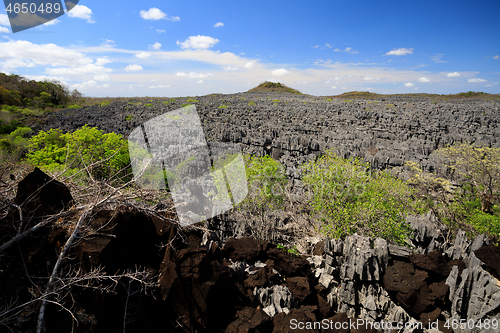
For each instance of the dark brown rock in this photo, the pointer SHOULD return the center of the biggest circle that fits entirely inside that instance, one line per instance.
(490, 255)
(38, 194)
(284, 323)
(288, 264)
(433, 262)
(244, 249)
(299, 286)
(250, 320)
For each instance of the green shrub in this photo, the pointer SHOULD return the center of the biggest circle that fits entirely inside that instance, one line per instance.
(105, 103)
(15, 143)
(251, 103)
(149, 104)
(129, 118)
(56, 151)
(223, 106)
(191, 101)
(349, 198)
(266, 184)
(6, 128)
(74, 106)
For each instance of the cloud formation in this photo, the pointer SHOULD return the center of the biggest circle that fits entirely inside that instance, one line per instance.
(81, 12)
(198, 42)
(409, 84)
(423, 79)
(476, 80)
(280, 72)
(401, 51)
(155, 14)
(454, 74)
(133, 68)
(218, 24)
(155, 46)
(194, 75)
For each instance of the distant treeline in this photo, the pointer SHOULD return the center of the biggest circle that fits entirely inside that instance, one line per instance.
(17, 91)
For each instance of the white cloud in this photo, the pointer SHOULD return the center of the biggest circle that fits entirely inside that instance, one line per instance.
(218, 24)
(337, 78)
(194, 75)
(4, 30)
(155, 46)
(280, 72)
(198, 42)
(400, 51)
(334, 87)
(86, 69)
(328, 45)
(347, 49)
(133, 68)
(496, 57)
(81, 12)
(248, 65)
(103, 77)
(41, 54)
(454, 74)
(370, 78)
(314, 46)
(409, 84)
(52, 22)
(153, 14)
(199, 81)
(85, 85)
(160, 86)
(103, 61)
(475, 80)
(143, 55)
(423, 79)
(61, 79)
(105, 85)
(160, 31)
(4, 20)
(156, 14)
(229, 68)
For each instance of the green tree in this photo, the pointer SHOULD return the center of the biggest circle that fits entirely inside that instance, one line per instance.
(105, 155)
(348, 197)
(477, 166)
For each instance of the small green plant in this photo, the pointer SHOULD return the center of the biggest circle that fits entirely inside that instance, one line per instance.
(149, 104)
(73, 106)
(293, 251)
(389, 106)
(348, 101)
(105, 103)
(251, 103)
(223, 106)
(129, 118)
(191, 101)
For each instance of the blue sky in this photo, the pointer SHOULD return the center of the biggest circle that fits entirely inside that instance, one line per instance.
(189, 48)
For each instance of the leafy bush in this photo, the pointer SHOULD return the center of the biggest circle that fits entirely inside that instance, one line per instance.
(191, 101)
(252, 103)
(73, 106)
(6, 128)
(15, 143)
(105, 154)
(105, 103)
(349, 198)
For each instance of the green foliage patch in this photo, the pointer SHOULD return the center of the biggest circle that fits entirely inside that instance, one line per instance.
(105, 155)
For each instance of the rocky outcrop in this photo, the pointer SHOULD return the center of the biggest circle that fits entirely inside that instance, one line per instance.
(245, 285)
(295, 128)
